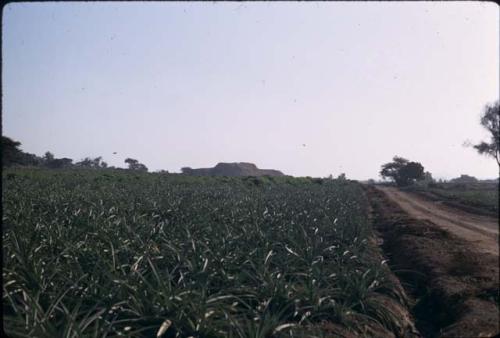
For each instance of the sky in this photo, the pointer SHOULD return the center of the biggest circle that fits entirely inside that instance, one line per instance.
(311, 89)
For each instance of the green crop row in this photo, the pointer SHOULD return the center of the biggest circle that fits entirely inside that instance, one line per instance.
(103, 253)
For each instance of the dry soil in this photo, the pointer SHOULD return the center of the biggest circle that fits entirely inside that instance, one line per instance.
(446, 259)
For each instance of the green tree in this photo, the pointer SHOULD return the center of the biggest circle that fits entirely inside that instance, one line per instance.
(50, 161)
(31, 160)
(58, 163)
(93, 163)
(133, 164)
(402, 171)
(391, 170)
(11, 154)
(490, 120)
(48, 157)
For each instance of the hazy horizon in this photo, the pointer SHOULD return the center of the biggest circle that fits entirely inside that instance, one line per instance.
(310, 89)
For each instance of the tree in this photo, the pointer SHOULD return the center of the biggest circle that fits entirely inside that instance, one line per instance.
(402, 171)
(133, 164)
(391, 170)
(11, 154)
(84, 163)
(48, 157)
(58, 163)
(490, 120)
(50, 161)
(98, 163)
(31, 160)
(93, 163)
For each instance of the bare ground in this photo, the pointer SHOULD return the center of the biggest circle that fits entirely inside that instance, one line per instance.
(446, 259)
(481, 231)
(467, 206)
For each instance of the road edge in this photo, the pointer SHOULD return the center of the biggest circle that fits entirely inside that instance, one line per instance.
(455, 290)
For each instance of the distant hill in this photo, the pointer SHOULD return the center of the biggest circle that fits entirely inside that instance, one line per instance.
(232, 169)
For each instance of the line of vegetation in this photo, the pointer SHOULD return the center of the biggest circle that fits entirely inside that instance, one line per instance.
(14, 156)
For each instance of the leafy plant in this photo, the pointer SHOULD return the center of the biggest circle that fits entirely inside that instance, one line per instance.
(92, 253)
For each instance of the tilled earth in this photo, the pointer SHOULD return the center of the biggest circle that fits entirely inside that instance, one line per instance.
(454, 285)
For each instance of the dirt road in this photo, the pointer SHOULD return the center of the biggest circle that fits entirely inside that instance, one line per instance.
(446, 258)
(482, 231)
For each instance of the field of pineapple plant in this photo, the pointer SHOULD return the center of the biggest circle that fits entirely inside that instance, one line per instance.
(100, 253)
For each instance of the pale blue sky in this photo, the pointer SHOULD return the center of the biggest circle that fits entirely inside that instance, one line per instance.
(193, 84)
